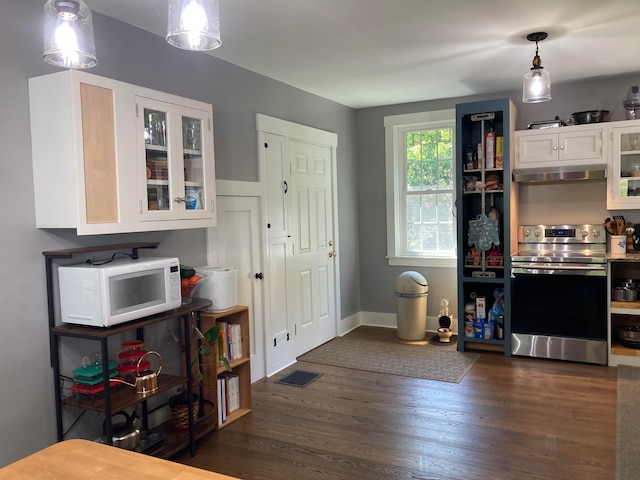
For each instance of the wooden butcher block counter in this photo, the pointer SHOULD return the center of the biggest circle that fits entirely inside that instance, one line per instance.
(83, 459)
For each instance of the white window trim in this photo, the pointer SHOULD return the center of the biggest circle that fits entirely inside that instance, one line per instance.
(392, 125)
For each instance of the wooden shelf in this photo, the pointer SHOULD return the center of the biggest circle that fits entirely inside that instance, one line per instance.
(123, 396)
(83, 331)
(175, 440)
(619, 349)
(67, 253)
(240, 367)
(626, 305)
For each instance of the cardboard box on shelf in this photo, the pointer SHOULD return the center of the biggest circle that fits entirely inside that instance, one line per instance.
(481, 308)
(499, 152)
(490, 154)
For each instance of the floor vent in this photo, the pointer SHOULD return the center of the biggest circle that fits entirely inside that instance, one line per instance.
(299, 378)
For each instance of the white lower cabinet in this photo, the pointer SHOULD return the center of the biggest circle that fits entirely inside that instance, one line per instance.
(111, 157)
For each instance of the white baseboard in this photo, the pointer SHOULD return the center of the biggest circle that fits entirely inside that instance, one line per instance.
(388, 320)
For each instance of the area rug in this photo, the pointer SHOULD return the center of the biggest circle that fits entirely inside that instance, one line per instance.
(628, 424)
(385, 353)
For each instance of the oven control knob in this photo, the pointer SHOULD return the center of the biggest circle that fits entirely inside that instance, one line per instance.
(595, 233)
(527, 232)
(584, 233)
(537, 233)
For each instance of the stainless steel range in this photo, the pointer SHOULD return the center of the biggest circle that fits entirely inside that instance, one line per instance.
(559, 293)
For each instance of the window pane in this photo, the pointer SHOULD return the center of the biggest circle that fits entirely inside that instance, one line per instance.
(414, 176)
(430, 168)
(445, 174)
(429, 223)
(429, 159)
(413, 209)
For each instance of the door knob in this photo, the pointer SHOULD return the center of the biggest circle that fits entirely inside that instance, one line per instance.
(332, 254)
(259, 276)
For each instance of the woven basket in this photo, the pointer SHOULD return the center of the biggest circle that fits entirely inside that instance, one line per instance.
(180, 411)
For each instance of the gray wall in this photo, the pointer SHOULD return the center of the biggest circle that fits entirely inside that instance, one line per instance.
(578, 202)
(131, 55)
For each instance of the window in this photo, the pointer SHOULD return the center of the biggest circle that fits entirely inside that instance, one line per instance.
(420, 150)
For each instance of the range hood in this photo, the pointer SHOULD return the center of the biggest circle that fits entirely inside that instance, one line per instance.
(556, 174)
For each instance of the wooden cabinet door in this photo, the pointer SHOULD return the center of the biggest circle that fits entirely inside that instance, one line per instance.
(99, 154)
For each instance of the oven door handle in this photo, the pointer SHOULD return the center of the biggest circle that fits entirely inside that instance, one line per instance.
(581, 270)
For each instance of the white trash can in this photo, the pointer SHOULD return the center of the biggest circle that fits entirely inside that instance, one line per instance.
(411, 305)
(220, 285)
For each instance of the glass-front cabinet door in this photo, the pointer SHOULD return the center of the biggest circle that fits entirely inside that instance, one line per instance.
(175, 143)
(193, 189)
(157, 139)
(624, 177)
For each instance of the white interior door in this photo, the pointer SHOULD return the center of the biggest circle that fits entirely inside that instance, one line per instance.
(236, 242)
(311, 282)
(297, 170)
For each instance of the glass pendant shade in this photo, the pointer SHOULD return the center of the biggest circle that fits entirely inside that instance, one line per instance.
(194, 24)
(68, 34)
(537, 86)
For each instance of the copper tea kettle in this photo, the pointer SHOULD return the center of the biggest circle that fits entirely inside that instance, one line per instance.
(146, 382)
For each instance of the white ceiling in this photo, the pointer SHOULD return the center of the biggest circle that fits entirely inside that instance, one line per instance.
(364, 53)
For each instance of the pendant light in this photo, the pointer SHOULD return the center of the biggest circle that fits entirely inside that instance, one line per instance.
(537, 82)
(68, 34)
(194, 24)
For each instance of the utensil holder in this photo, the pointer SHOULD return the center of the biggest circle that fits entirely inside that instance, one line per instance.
(618, 244)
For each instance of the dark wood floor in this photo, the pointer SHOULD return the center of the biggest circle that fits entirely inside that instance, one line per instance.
(509, 418)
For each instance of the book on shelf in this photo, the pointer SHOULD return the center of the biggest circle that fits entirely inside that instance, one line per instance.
(236, 343)
(229, 342)
(233, 392)
(221, 397)
(222, 343)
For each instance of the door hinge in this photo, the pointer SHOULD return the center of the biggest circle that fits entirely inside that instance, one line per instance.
(266, 145)
(137, 113)
(209, 123)
(287, 336)
(140, 206)
(275, 341)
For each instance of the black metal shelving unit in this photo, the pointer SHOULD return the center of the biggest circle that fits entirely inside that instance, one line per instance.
(112, 402)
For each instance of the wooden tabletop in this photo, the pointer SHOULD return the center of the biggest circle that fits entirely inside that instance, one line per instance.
(83, 459)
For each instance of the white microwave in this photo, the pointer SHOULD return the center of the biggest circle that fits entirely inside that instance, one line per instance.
(107, 294)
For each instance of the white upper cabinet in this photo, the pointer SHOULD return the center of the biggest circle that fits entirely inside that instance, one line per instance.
(91, 155)
(583, 144)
